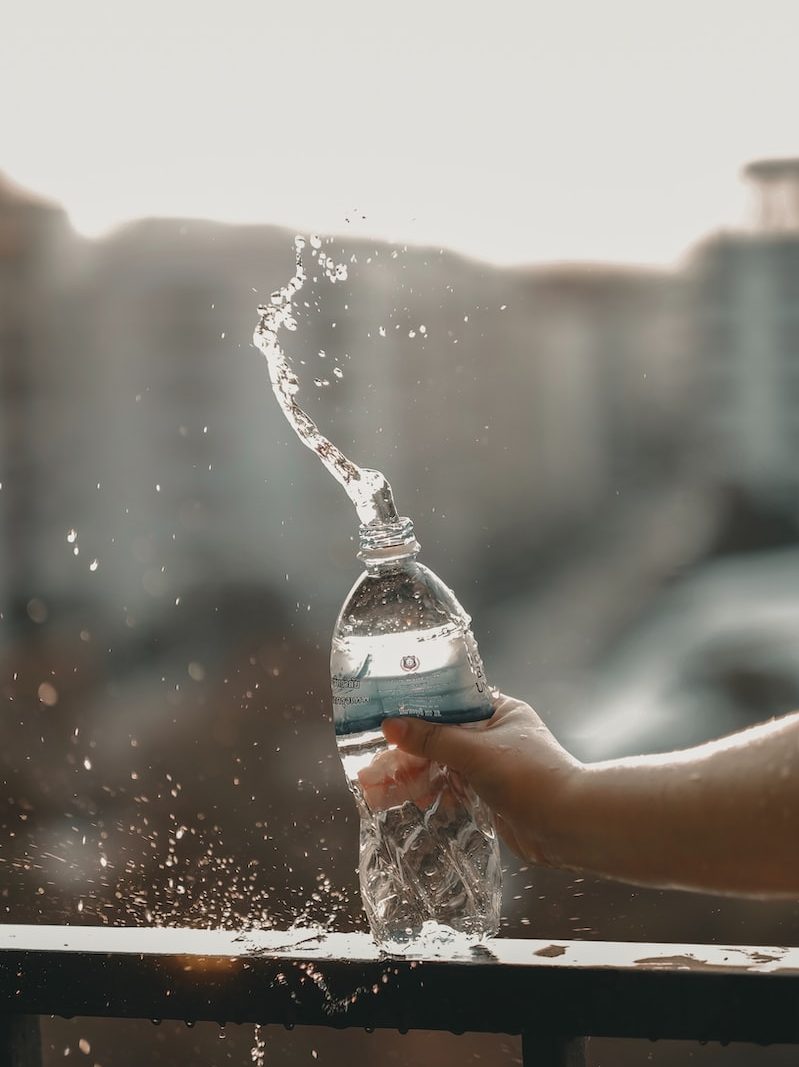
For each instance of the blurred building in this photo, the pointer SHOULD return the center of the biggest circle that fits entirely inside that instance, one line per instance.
(610, 346)
(746, 321)
(35, 255)
(508, 407)
(513, 410)
(168, 309)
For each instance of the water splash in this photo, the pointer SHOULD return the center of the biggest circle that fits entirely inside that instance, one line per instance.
(258, 1050)
(368, 489)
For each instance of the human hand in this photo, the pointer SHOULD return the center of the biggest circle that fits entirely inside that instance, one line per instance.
(714, 818)
(512, 761)
(394, 778)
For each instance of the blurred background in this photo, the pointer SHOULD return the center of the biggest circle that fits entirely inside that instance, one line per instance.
(570, 338)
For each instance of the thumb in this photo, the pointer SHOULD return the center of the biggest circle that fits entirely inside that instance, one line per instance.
(449, 745)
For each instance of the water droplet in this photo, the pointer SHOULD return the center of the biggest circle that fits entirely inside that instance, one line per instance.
(72, 536)
(93, 565)
(196, 671)
(37, 610)
(48, 694)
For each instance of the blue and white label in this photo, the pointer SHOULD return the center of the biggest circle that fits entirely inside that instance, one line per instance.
(456, 692)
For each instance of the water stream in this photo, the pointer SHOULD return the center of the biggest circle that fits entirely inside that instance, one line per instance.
(368, 489)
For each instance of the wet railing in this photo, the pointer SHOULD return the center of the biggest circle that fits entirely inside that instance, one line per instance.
(555, 994)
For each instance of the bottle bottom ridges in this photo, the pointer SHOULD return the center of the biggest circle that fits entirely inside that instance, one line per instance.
(429, 863)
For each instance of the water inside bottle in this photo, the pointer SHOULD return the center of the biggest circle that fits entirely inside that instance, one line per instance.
(429, 865)
(429, 860)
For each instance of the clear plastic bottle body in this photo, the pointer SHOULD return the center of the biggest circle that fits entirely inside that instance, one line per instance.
(429, 857)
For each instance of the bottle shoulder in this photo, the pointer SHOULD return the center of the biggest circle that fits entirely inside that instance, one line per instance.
(408, 596)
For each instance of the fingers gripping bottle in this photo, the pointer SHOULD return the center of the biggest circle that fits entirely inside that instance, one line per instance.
(429, 857)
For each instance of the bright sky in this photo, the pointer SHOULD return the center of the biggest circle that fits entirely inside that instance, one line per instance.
(514, 131)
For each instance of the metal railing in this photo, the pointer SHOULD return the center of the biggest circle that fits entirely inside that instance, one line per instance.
(555, 994)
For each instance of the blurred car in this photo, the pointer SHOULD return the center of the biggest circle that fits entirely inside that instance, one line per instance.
(717, 652)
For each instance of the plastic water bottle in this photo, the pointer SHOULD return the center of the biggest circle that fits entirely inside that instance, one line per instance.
(429, 857)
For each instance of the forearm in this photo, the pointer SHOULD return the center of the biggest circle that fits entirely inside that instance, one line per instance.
(722, 817)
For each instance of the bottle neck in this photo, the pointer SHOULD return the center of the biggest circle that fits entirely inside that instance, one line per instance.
(386, 543)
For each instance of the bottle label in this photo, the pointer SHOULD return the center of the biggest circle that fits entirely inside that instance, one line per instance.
(457, 692)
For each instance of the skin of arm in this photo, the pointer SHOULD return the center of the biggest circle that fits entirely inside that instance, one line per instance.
(722, 817)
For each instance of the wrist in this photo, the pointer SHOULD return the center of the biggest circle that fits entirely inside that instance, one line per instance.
(558, 820)
(603, 823)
